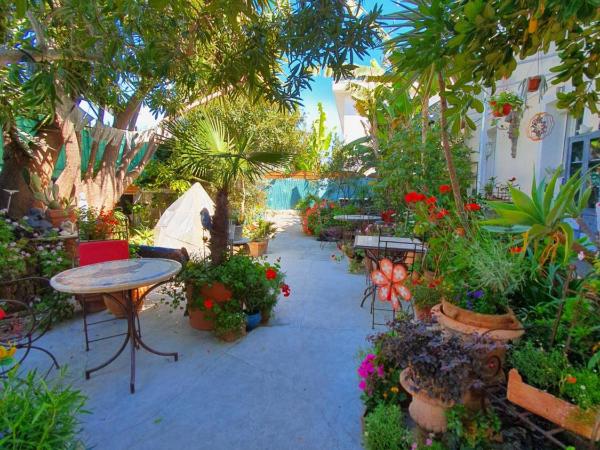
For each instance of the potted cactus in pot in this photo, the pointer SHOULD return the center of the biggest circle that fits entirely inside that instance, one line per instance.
(58, 209)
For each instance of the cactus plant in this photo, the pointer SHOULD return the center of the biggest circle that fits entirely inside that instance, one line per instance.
(48, 196)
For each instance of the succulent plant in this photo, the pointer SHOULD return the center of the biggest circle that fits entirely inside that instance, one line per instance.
(48, 196)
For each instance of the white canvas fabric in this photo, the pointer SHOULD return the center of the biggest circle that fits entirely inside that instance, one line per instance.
(181, 224)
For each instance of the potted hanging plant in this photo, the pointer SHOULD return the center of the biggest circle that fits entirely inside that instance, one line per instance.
(259, 234)
(504, 103)
(426, 294)
(437, 370)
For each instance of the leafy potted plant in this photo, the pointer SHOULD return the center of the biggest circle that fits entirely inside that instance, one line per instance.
(204, 290)
(504, 103)
(230, 321)
(58, 209)
(259, 234)
(438, 370)
(426, 294)
(482, 276)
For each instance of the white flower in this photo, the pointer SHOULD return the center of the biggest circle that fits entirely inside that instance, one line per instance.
(40, 248)
(581, 256)
(25, 217)
(59, 259)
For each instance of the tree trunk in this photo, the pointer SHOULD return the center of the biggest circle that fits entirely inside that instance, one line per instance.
(219, 235)
(448, 152)
(44, 154)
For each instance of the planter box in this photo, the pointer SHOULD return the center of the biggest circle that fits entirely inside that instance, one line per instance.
(556, 410)
(258, 248)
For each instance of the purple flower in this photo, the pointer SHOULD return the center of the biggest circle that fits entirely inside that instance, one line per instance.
(469, 304)
(478, 293)
(380, 371)
(362, 385)
(428, 442)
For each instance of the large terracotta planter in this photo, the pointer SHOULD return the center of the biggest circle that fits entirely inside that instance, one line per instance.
(58, 216)
(258, 248)
(204, 320)
(201, 320)
(116, 307)
(427, 412)
(499, 327)
(558, 411)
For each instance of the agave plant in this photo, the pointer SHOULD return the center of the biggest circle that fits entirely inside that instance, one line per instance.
(541, 216)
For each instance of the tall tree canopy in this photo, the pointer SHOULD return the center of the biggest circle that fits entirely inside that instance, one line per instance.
(114, 56)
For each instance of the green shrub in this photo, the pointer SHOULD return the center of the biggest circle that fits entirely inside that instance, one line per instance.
(38, 415)
(540, 368)
(384, 429)
(582, 387)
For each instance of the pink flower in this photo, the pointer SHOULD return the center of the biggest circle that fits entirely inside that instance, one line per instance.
(380, 371)
(362, 385)
(428, 442)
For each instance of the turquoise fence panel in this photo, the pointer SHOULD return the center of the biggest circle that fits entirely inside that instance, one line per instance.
(284, 193)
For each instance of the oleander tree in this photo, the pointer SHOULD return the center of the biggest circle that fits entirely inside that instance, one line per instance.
(71, 65)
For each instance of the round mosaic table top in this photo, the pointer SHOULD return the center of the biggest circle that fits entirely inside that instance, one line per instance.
(115, 276)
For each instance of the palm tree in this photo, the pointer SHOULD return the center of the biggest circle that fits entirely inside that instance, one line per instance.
(206, 149)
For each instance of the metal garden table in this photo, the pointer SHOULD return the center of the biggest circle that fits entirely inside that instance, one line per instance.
(120, 276)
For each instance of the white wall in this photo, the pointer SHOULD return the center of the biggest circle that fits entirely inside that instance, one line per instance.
(354, 126)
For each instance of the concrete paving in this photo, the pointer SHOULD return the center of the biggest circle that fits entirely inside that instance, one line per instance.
(289, 385)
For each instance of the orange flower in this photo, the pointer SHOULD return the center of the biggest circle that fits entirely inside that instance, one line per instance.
(571, 379)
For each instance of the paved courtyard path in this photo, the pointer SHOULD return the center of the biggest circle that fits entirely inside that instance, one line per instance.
(289, 385)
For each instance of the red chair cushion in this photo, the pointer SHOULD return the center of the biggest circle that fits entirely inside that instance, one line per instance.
(101, 251)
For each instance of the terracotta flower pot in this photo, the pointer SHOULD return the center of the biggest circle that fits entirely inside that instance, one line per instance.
(491, 321)
(562, 413)
(201, 320)
(533, 83)
(58, 216)
(116, 308)
(423, 313)
(427, 412)
(233, 335)
(258, 248)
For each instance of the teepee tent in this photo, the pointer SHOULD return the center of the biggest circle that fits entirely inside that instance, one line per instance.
(181, 223)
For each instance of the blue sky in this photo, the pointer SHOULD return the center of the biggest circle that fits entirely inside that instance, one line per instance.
(322, 86)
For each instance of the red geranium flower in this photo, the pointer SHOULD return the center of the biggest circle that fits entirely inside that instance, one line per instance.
(208, 303)
(516, 249)
(2, 314)
(445, 188)
(442, 213)
(431, 200)
(271, 273)
(285, 289)
(472, 207)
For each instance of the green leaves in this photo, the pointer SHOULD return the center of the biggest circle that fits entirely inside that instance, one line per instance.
(542, 215)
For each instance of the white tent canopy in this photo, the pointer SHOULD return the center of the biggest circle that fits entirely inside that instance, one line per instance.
(181, 224)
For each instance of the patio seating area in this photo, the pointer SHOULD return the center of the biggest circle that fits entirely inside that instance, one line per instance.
(290, 384)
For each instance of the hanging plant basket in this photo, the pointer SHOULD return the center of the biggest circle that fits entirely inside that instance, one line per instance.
(533, 83)
(504, 103)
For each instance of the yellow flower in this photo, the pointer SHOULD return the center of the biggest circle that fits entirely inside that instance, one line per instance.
(7, 352)
(385, 395)
(394, 389)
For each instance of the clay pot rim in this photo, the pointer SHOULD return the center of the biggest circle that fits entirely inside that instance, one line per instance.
(459, 327)
(508, 316)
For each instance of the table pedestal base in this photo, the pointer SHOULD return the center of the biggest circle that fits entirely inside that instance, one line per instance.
(133, 337)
